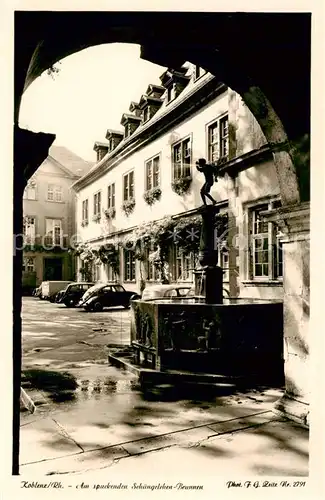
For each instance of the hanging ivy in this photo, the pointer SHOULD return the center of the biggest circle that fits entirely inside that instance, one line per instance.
(109, 254)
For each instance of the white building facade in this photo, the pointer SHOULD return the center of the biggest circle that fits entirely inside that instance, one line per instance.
(145, 178)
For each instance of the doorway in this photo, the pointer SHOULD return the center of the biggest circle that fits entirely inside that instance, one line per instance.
(52, 270)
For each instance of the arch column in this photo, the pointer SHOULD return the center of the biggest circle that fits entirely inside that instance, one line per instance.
(30, 150)
(294, 223)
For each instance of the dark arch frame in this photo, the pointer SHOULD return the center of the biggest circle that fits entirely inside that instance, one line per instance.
(263, 57)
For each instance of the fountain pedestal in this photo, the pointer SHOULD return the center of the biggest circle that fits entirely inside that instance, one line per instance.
(208, 256)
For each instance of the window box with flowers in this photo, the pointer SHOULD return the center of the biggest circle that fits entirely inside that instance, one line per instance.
(152, 195)
(128, 206)
(84, 223)
(181, 185)
(96, 218)
(110, 212)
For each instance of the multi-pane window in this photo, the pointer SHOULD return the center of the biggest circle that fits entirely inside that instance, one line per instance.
(218, 139)
(29, 224)
(85, 211)
(101, 153)
(53, 229)
(54, 193)
(152, 271)
(152, 173)
(95, 272)
(97, 203)
(183, 265)
(30, 191)
(129, 265)
(222, 244)
(111, 196)
(128, 186)
(146, 114)
(170, 93)
(29, 264)
(181, 155)
(198, 71)
(266, 248)
(110, 273)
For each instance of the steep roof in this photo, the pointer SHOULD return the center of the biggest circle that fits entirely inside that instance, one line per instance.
(70, 161)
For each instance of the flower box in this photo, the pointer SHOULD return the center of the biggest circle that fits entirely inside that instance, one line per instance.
(152, 195)
(128, 206)
(182, 185)
(110, 212)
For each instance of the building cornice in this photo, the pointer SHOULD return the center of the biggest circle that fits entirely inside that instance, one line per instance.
(175, 112)
(235, 165)
(293, 220)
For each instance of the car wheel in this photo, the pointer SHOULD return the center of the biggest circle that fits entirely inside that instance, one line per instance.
(69, 303)
(97, 307)
(127, 305)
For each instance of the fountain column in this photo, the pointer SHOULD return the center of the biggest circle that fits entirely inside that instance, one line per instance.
(208, 256)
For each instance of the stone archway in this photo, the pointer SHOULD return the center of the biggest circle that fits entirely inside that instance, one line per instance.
(260, 56)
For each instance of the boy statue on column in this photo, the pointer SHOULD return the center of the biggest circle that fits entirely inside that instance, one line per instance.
(210, 174)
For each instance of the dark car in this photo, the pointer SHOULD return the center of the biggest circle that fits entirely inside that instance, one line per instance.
(72, 293)
(105, 295)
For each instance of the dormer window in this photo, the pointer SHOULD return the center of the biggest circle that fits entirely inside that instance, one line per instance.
(198, 72)
(128, 131)
(174, 82)
(170, 93)
(101, 149)
(149, 104)
(146, 114)
(100, 154)
(130, 124)
(114, 138)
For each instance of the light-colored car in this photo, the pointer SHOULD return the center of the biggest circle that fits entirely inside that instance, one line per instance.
(50, 288)
(165, 291)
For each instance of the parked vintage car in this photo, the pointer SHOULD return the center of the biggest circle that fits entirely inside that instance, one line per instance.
(72, 293)
(166, 291)
(105, 295)
(191, 293)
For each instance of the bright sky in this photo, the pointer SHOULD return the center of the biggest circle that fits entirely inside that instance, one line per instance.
(88, 96)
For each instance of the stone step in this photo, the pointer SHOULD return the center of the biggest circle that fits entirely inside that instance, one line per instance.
(180, 377)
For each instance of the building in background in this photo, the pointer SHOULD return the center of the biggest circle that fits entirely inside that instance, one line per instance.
(49, 218)
(136, 209)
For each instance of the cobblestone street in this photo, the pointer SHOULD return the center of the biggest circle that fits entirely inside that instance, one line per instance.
(62, 338)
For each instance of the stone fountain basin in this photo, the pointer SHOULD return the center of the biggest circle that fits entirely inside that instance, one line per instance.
(238, 337)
